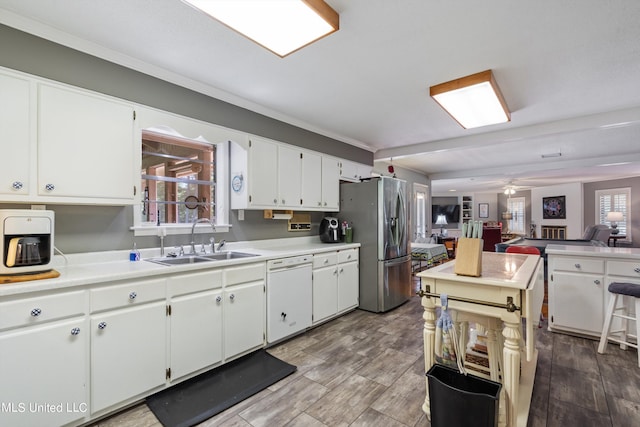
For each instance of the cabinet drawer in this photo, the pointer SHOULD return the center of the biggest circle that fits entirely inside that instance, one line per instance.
(582, 265)
(195, 282)
(127, 294)
(347, 255)
(324, 260)
(31, 311)
(624, 268)
(244, 274)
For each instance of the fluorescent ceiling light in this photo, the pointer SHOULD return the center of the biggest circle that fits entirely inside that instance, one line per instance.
(472, 101)
(281, 26)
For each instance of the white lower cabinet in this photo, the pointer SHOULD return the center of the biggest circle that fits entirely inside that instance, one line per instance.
(43, 371)
(244, 318)
(128, 342)
(43, 359)
(335, 283)
(578, 287)
(196, 322)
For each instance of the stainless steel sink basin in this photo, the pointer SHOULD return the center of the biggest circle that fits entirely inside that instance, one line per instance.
(193, 259)
(188, 259)
(227, 255)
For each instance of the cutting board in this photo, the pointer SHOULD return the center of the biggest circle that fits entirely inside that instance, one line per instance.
(51, 274)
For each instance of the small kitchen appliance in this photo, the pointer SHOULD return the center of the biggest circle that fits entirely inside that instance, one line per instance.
(27, 241)
(330, 231)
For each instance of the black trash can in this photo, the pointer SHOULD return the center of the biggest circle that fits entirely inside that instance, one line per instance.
(462, 400)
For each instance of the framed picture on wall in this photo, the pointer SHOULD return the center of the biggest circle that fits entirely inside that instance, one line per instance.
(554, 207)
(483, 210)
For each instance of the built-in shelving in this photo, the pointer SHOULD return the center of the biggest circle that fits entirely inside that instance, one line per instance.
(467, 209)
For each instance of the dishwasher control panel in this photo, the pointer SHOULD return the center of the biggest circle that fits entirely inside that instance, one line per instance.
(289, 262)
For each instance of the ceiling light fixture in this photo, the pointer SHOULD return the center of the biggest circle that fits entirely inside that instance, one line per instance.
(281, 26)
(472, 101)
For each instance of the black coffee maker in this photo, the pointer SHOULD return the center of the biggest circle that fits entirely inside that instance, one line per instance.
(330, 231)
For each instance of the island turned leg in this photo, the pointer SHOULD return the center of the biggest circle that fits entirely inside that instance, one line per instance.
(511, 375)
(429, 335)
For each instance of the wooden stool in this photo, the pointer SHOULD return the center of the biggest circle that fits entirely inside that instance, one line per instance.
(626, 291)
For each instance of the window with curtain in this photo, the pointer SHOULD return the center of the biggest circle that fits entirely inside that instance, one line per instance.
(420, 197)
(615, 200)
(515, 205)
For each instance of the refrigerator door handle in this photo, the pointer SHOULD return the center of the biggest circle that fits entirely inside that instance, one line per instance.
(396, 261)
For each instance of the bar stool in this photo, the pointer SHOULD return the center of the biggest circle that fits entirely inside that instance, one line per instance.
(626, 291)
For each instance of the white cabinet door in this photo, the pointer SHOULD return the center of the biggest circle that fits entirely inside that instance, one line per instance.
(348, 289)
(289, 298)
(196, 332)
(330, 184)
(15, 130)
(325, 293)
(263, 173)
(244, 318)
(128, 353)
(44, 365)
(85, 145)
(289, 177)
(576, 302)
(312, 180)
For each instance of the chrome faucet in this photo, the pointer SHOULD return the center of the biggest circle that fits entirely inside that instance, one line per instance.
(193, 229)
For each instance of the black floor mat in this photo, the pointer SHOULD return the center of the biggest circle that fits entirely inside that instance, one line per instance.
(208, 394)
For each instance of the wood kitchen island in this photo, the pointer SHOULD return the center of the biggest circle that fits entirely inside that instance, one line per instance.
(511, 288)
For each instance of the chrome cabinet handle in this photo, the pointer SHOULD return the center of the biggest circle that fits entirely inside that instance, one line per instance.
(75, 331)
(637, 269)
(36, 312)
(577, 265)
(102, 325)
(218, 298)
(325, 203)
(17, 185)
(597, 282)
(341, 270)
(232, 297)
(335, 271)
(133, 295)
(49, 187)
(283, 202)
(326, 261)
(275, 200)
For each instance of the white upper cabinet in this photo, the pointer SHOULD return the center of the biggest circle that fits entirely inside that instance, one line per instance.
(289, 176)
(267, 174)
(85, 145)
(330, 184)
(66, 145)
(15, 133)
(352, 171)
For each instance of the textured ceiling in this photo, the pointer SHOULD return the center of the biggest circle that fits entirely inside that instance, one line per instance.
(568, 71)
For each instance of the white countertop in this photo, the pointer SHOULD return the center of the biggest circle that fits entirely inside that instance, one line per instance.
(593, 251)
(110, 266)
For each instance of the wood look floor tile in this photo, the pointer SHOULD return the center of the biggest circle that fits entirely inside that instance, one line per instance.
(579, 388)
(388, 367)
(282, 406)
(334, 371)
(228, 415)
(620, 381)
(402, 401)
(346, 402)
(234, 421)
(305, 420)
(563, 414)
(331, 348)
(624, 413)
(575, 353)
(139, 415)
(372, 418)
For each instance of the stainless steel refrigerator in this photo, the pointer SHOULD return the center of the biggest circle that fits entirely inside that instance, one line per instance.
(377, 210)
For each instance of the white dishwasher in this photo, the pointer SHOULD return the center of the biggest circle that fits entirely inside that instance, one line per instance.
(289, 293)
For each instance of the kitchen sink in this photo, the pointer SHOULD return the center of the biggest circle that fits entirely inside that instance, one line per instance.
(193, 259)
(227, 255)
(188, 259)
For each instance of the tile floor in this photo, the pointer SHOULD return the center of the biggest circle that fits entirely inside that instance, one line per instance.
(367, 369)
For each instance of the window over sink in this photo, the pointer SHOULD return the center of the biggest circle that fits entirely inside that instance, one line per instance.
(183, 174)
(177, 178)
